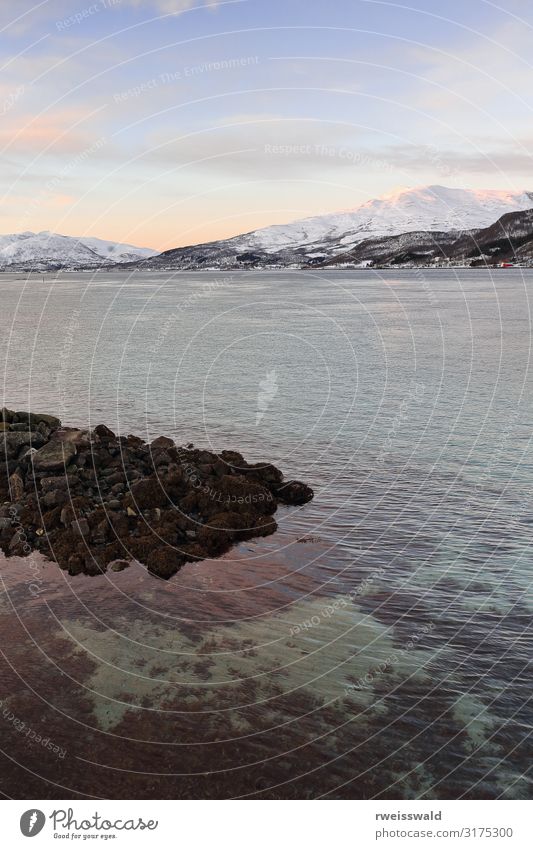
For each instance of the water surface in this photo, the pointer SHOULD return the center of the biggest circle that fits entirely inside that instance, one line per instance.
(378, 644)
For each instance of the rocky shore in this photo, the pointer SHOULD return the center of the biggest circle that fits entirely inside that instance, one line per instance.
(92, 500)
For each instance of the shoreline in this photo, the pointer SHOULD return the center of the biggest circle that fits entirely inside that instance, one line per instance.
(91, 500)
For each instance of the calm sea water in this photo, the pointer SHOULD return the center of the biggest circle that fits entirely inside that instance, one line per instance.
(378, 644)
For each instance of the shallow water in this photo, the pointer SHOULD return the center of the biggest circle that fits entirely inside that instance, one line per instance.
(378, 644)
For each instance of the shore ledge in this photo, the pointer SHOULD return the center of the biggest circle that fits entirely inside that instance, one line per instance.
(91, 500)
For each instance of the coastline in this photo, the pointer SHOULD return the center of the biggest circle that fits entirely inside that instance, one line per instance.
(90, 500)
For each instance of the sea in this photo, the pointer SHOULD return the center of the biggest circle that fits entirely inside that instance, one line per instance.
(379, 644)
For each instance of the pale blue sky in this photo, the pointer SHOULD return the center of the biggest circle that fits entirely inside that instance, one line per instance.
(176, 121)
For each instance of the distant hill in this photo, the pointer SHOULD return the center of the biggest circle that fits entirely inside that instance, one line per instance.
(315, 241)
(46, 251)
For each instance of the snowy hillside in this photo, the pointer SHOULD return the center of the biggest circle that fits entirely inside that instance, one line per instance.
(46, 250)
(427, 208)
(318, 239)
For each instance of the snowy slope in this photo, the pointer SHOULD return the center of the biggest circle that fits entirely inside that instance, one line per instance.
(426, 208)
(318, 239)
(45, 249)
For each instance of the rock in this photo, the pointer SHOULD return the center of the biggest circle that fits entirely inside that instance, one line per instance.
(12, 441)
(162, 458)
(241, 495)
(81, 527)
(4, 426)
(35, 418)
(74, 435)
(27, 453)
(103, 432)
(17, 542)
(119, 565)
(293, 492)
(6, 415)
(115, 477)
(54, 498)
(58, 482)
(165, 562)
(16, 486)
(75, 565)
(233, 459)
(54, 455)
(8, 467)
(84, 498)
(161, 442)
(265, 473)
(146, 493)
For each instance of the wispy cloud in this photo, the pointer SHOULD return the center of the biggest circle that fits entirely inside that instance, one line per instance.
(172, 7)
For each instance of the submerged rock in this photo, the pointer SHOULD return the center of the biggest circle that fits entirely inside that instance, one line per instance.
(91, 500)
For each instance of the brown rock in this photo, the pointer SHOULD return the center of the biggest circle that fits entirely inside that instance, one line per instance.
(53, 456)
(162, 442)
(146, 493)
(81, 527)
(242, 495)
(104, 432)
(11, 442)
(165, 562)
(119, 565)
(293, 492)
(6, 415)
(34, 419)
(16, 486)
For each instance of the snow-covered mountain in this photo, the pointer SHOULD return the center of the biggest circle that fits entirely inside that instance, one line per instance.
(41, 251)
(508, 240)
(427, 208)
(313, 240)
(317, 240)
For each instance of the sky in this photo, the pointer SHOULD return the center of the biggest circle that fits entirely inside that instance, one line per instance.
(171, 122)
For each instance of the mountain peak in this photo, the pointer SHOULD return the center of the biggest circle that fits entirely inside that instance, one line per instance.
(427, 209)
(54, 250)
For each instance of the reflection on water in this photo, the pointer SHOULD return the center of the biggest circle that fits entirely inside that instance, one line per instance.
(378, 644)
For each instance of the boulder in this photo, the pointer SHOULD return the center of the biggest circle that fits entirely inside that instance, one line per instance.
(103, 432)
(243, 495)
(165, 562)
(90, 500)
(146, 493)
(12, 441)
(161, 442)
(119, 565)
(76, 436)
(53, 456)
(16, 486)
(34, 419)
(7, 415)
(293, 492)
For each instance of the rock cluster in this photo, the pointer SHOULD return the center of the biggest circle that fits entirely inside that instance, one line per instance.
(90, 500)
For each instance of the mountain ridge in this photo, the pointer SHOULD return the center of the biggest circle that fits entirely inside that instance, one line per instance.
(408, 222)
(46, 250)
(316, 240)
